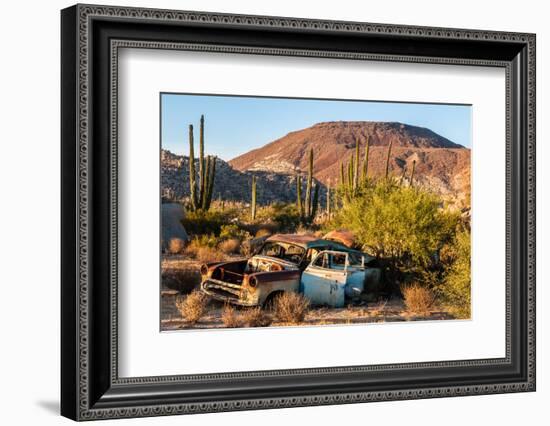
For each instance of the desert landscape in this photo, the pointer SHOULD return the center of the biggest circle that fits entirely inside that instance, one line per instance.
(383, 201)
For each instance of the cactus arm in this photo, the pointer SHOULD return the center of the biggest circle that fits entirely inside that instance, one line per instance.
(388, 159)
(350, 177)
(365, 162)
(412, 173)
(192, 183)
(299, 195)
(314, 203)
(202, 171)
(210, 184)
(309, 183)
(205, 184)
(356, 170)
(253, 198)
(328, 200)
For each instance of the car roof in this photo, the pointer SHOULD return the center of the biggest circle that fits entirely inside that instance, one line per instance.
(307, 241)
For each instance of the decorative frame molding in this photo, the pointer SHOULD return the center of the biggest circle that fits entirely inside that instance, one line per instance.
(91, 388)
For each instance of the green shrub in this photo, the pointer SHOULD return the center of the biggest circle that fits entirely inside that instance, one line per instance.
(233, 232)
(405, 226)
(204, 222)
(286, 216)
(455, 290)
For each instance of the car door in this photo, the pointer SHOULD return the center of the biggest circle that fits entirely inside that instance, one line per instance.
(323, 281)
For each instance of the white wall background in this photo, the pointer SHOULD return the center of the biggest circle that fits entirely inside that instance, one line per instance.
(29, 213)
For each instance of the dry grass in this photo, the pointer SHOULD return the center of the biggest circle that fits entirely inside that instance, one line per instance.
(207, 254)
(379, 308)
(192, 307)
(231, 318)
(291, 307)
(262, 232)
(230, 246)
(418, 299)
(256, 317)
(176, 246)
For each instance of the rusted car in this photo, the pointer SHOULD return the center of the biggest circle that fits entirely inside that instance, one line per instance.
(334, 277)
(275, 268)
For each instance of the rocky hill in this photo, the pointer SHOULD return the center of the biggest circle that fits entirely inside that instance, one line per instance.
(229, 184)
(441, 164)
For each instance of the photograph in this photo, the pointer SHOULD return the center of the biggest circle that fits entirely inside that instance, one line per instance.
(310, 212)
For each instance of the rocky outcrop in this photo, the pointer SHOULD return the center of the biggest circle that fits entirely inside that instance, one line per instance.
(230, 184)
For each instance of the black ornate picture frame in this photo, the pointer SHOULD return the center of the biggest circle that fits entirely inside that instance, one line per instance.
(91, 387)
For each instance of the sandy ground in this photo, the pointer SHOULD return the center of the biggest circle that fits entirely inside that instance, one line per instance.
(182, 273)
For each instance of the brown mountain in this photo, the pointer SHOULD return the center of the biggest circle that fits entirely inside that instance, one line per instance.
(441, 164)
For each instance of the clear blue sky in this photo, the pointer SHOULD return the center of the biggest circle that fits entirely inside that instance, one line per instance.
(235, 125)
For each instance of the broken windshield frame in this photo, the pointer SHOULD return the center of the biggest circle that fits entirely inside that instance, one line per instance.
(289, 252)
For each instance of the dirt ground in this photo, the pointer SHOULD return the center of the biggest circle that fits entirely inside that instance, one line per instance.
(390, 311)
(182, 275)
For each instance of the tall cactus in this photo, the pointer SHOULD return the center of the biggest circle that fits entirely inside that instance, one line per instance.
(192, 182)
(201, 198)
(314, 204)
(329, 201)
(307, 208)
(412, 173)
(351, 167)
(388, 159)
(365, 162)
(253, 199)
(202, 171)
(403, 175)
(299, 195)
(356, 170)
(354, 177)
(309, 184)
(211, 168)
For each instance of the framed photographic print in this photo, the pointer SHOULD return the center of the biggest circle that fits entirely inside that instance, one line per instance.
(263, 212)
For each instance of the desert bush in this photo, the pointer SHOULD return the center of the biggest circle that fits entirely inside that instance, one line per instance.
(203, 241)
(183, 280)
(256, 317)
(284, 217)
(455, 290)
(204, 222)
(230, 246)
(405, 225)
(232, 231)
(418, 298)
(230, 317)
(192, 307)
(207, 254)
(176, 246)
(290, 307)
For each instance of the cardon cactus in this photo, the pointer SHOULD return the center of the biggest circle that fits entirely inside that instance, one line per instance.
(353, 179)
(308, 208)
(200, 198)
(253, 199)
(411, 180)
(388, 160)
